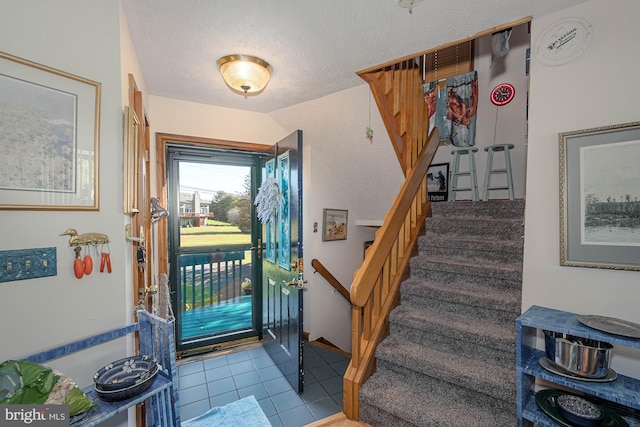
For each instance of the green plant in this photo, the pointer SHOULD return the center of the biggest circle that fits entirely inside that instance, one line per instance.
(246, 284)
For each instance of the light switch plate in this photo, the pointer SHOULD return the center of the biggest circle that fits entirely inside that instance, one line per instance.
(25, 264)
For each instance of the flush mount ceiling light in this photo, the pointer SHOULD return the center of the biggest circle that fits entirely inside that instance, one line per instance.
(409, 4)
(245, 74)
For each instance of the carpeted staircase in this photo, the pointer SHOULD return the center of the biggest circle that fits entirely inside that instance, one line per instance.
(449, 359)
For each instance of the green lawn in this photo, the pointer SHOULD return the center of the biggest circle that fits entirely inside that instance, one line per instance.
(216, 233)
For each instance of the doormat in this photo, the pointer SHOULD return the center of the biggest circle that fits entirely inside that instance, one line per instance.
(243, 412)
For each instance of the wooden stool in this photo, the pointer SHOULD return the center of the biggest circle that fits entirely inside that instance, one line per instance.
(471, 173)
(490, 171)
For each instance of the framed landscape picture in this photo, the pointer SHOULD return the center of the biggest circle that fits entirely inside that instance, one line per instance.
(600, 197)
(49, 133)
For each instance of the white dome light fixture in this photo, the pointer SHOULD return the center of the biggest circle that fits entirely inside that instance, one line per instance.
(245, 74)
(409, 4)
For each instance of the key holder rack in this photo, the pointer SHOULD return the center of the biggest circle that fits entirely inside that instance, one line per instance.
(83, 265)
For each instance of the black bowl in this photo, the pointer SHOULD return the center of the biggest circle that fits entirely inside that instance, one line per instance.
(125, 373)
(128, 392)
(578, 411)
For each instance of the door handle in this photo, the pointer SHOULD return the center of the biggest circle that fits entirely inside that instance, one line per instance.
(298, 283)
(259, 248)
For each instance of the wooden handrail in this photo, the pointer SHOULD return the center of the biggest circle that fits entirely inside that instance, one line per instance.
(396, 87)
(335, 283)
(376, 283)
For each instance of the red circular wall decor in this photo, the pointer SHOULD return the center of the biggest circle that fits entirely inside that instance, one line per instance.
(502, 94)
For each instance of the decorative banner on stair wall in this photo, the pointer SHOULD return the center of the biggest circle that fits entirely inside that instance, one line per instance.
(436, 100)
(462, 105)
(454, 109)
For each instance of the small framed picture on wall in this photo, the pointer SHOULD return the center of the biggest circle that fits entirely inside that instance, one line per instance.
(438, 182)
(334, 224)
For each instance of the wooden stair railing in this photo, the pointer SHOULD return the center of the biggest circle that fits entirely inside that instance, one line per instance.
(335, 283)
(397, 89)
(376, 283)
(396, 93)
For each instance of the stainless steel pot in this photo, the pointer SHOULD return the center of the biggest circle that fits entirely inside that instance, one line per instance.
(578, 356)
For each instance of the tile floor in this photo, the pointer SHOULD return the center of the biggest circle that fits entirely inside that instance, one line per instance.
(218, 380)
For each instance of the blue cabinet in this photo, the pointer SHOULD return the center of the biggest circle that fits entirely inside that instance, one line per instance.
(623, 394)
(156, 338)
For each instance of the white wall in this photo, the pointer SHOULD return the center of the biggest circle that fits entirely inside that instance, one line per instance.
(343, 170)
(188, 118)
(591, 91)
(82, 38)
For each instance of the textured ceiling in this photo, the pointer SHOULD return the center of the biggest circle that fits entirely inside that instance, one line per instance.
(314, 46)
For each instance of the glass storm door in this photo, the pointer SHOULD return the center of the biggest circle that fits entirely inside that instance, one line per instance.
(213, 246)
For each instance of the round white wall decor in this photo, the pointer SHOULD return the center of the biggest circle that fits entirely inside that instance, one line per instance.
(563, 41)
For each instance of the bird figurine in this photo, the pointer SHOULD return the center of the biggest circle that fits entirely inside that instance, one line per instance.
(86, 238)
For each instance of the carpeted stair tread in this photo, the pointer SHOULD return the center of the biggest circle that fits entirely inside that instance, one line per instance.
(467, 268)
(469, 242)
(424, 318)
(493, 228)
(443, 247)
(418, 363)
(488, 209)
(431, 404)
(473, 296)
(487, 333)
